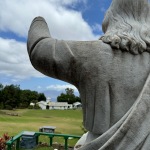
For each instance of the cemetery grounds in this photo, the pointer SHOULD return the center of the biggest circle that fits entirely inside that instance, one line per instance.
(65, 121)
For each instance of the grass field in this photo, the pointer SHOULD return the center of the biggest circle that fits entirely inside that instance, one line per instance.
(65, 121)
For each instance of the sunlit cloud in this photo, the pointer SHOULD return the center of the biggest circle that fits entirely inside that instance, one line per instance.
(14, 60)
(64, 23)
(61, 87)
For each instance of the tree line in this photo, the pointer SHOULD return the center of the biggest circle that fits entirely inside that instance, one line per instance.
(11, 96)
(68, 96)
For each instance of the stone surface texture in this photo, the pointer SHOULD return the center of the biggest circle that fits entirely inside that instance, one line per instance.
(111, 74)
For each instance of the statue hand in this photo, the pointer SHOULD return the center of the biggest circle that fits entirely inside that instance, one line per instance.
(40, 26)
(38, 31)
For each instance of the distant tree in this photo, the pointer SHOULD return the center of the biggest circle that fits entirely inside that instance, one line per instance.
(1, 87)
(78, 99)
(27, 97)
(1, 97)
(68, 97)
(69, 91)
(11, 96)
(41, 97)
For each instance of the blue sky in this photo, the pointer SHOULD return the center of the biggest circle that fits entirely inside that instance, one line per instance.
(67, 19)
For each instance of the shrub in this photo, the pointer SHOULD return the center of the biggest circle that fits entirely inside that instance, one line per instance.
(37, 106)
(1, 105)
(8, 107)
(30, 107)
(3, 141)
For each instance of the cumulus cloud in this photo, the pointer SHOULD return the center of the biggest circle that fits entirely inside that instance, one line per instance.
(68, 2)
(14, 60)
(97, 27)
(64, 23)
(16, 16)
(54, 90)
(58, 87)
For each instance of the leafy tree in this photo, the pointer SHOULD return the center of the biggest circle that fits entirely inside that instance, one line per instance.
(1, 97)
(41, 97)
(69, 91)
(27, 97)
(1, 87)
(11, 96)
(68, 97)
(78, 99)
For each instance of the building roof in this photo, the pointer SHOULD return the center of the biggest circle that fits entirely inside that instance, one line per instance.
(42, 102)
(77, 103)
(55, 104)
(58, 104)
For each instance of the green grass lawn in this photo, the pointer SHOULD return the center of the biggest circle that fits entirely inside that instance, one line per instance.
(65, 121)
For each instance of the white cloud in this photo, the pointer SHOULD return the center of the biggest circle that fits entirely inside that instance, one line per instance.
(68, 2)
(58, 87)
(64, 23)
(14, 60)
(16, 16)
(97, 27)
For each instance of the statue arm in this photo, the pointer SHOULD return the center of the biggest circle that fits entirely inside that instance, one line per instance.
(54, 58)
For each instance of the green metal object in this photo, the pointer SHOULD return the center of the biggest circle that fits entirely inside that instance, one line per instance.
(8, 147)
(51, 139)
(11, 141)
(17, 143)
(37, 139)
(66, 142)
(50, 135)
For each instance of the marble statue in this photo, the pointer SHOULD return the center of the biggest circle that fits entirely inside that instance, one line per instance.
(111, 74)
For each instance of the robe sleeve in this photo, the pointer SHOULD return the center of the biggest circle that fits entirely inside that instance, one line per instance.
(59, 59)
(54, 58)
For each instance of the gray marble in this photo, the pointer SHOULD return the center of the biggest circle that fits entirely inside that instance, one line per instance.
(111, 75)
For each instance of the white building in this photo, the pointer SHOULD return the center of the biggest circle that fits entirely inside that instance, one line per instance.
(59, 105)
(54, 105)
(42, 104)
(77, 105)
(32, 104)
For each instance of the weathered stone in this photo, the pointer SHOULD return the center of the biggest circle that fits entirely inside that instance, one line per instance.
(111, 74)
